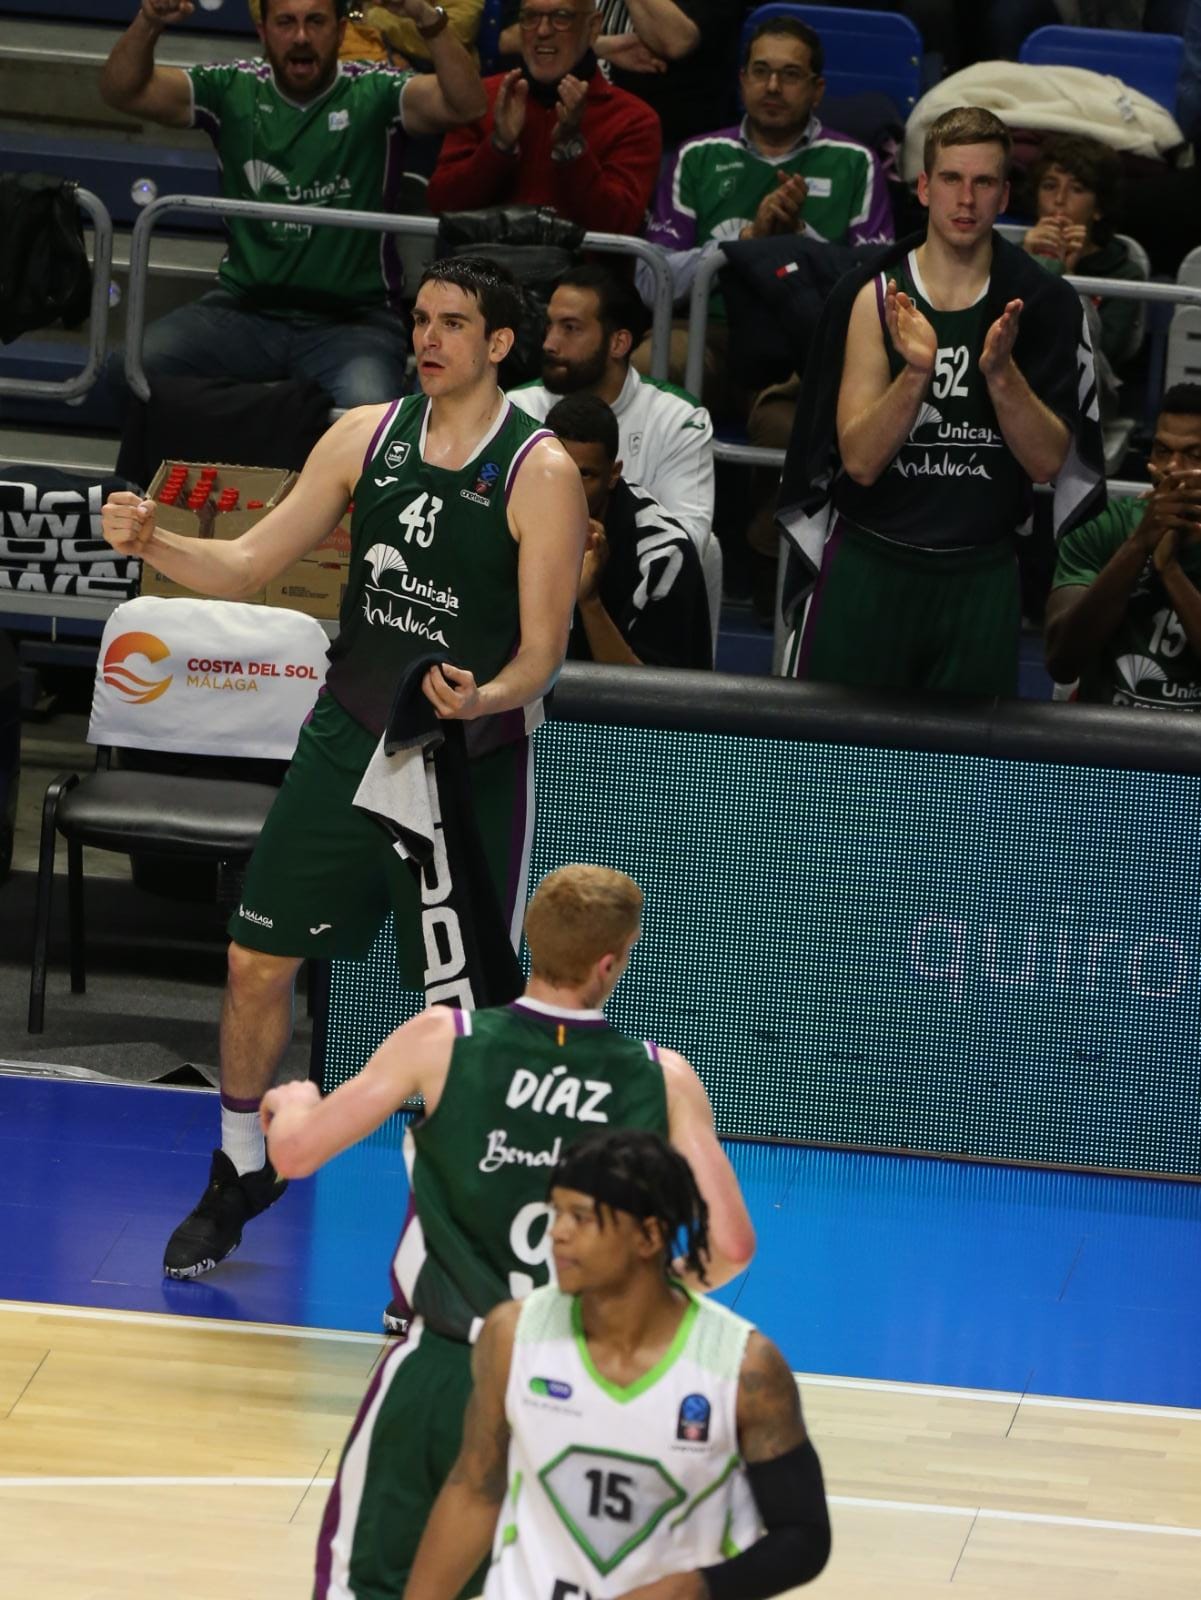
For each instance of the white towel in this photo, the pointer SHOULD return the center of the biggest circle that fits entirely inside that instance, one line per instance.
(400, 791)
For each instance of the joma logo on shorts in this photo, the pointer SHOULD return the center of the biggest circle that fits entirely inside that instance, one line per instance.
(556, 1094)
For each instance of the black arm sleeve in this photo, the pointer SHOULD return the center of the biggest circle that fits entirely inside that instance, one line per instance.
(791, 1498)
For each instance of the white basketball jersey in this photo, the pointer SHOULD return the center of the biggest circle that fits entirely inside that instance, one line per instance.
(610, 1488)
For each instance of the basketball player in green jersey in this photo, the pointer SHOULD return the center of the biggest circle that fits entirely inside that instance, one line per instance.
(506, 1091)
(940, 436)
(626, 1437)
(468, 533)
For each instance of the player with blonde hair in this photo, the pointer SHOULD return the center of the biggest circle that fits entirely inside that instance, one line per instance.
(506, 1092)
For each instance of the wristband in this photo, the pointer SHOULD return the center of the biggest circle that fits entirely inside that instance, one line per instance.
(431, 30)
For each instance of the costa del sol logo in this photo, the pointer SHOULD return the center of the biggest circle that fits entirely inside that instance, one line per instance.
(129, 684)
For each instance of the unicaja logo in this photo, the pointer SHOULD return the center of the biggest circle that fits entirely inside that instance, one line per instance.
(128, 684)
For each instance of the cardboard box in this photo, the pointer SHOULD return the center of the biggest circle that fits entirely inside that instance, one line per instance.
(315, 584)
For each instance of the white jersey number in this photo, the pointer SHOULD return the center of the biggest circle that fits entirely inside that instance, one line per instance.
(950, 369)
(418, 522)
(530, 1242)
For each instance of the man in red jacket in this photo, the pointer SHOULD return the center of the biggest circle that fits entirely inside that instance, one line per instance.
(556, 132)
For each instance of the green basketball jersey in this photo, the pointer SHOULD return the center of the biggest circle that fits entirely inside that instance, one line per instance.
(525, 1082)
(954, 482)
(340, 149)
(432, 560)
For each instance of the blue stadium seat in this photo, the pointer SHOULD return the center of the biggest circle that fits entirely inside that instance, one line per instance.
(50, 361)
(226, 16)
(488, 38)
(864, 50)
(111, 168)
(1149, 62)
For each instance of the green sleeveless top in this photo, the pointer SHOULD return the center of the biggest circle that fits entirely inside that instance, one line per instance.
(954, 482)
(525, 1082)
(432, 561)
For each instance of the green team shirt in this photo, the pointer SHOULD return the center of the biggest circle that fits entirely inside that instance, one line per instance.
(1148, 662)
(525, 1082)
(432, 560)
(953, 484)
(716, 183)
(341, 149)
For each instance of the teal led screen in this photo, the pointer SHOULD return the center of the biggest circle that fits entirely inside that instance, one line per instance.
(883, 948)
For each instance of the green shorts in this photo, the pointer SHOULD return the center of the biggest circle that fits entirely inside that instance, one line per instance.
(401, 1448)
(324, 874)
(891, 616)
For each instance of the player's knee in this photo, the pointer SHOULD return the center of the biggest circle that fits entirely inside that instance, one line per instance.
(256, 973)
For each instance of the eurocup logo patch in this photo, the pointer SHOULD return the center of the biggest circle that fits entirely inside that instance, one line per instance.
(693, 1422)
(128, 684)
(486, 481)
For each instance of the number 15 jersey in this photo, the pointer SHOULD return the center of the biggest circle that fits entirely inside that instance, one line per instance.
(609, 1487)
(432, 561)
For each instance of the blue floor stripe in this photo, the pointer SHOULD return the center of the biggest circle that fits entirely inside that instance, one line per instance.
(887, 1267)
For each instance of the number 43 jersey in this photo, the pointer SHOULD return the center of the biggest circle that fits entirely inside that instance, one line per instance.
(954, 483)
(610, 1488)
(433, 564)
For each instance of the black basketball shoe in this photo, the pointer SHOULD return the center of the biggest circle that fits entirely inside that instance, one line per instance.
(214, 1229)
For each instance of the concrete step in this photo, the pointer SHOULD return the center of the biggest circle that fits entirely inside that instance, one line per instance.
(50, 71)
(71, 452)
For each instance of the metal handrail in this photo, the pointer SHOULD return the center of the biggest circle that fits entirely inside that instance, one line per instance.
(333, 217)
(756, 455)
(102, 265)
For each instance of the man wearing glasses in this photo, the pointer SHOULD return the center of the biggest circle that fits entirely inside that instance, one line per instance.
(556, 132)
(779, 171)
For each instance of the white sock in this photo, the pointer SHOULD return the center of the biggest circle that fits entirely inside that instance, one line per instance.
(242, 1139)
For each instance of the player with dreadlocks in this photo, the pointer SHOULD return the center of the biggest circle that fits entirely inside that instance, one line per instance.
(627, 1437)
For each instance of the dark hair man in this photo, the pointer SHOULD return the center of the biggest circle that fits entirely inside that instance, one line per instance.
(505, 1092)
(614, 1406)
(908, 505)
(1075, 185)
(555, 132)
(594, 320)
(299, 128)
(1124, 613)
(468, 532)
(642, 599)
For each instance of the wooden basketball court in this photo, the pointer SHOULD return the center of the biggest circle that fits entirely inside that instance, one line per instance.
(145, 1455)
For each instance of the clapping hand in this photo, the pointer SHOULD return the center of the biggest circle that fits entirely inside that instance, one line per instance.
(780, 211)
(999, 341)
(913, 337)
(508, 113)
(573, 95)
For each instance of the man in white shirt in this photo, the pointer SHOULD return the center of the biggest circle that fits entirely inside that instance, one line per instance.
(593, 323)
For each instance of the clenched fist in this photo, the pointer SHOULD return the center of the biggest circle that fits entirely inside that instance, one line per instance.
(127, 522)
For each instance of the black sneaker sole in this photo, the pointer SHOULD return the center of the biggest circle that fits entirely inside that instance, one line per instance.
(197, 1269)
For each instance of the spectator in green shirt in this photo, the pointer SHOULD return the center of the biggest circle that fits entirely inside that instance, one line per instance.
(298, 128)
(1124, 615)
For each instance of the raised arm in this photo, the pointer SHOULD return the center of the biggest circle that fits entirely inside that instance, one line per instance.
(461, 1526)
(452, 93)
(131, 82)
(664, 28)
(690, 1129)
(304, 1131)
(875, 410)
(1035, 435)
(548, 516)
(229, 569)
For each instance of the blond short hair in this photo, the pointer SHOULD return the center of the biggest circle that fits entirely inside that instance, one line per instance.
(577, 915)
(965, 125)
